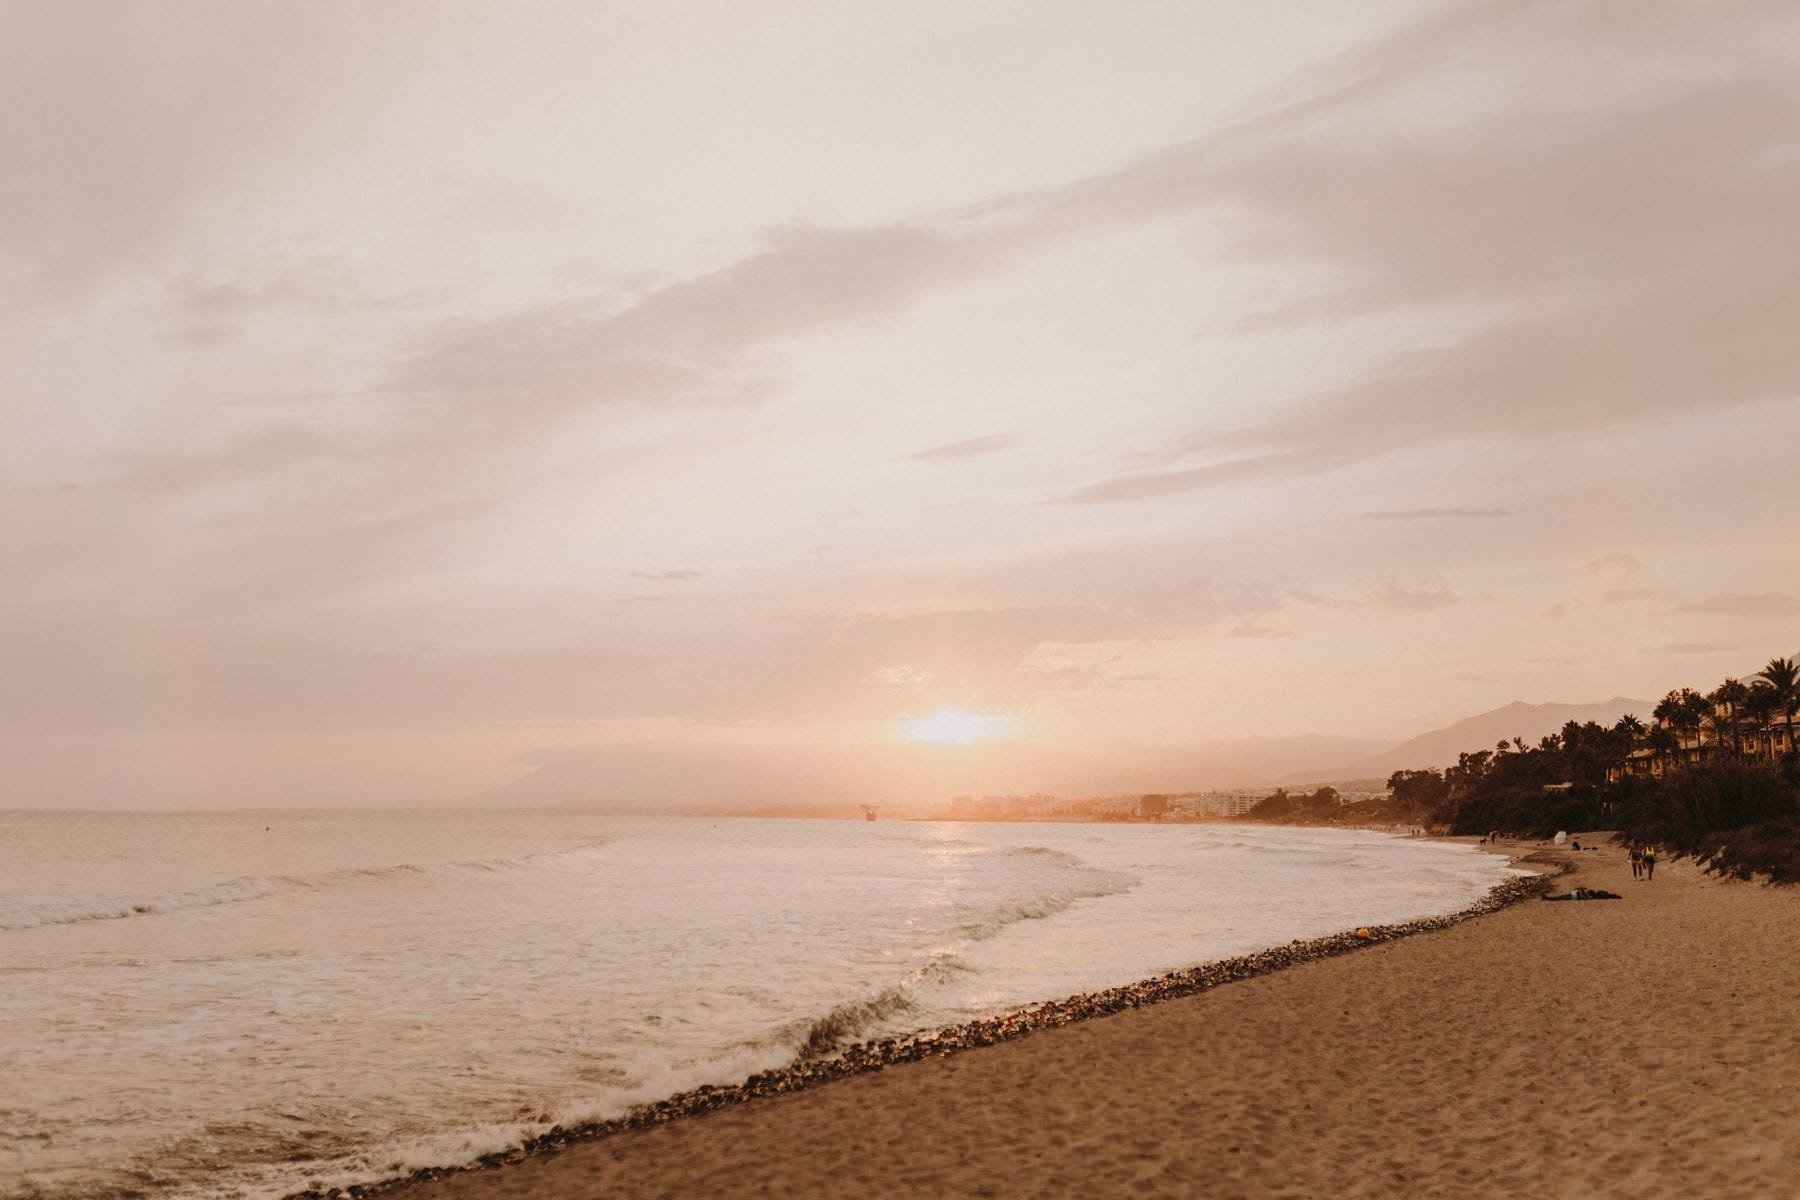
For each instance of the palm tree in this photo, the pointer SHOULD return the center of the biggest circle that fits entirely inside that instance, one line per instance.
(1630, 731)
(1729, 695)
(1695, 711)
(1782, 675)
(1664, 744)
(1681, 711)
(1668, 711)
(1760, 706)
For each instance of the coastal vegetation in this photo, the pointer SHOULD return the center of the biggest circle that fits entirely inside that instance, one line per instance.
(1714, 775)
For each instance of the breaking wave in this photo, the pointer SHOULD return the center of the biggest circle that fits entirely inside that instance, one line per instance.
(829, 1033)
(1075, 882)
(30, 912)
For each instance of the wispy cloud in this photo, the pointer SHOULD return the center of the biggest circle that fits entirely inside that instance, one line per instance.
(1653, 219)
(1690, 648)
(1742, 604)
(1254, 630)
(1390, 595)
(691, 341)
(976, 447)
(1438, 514)
(1615, 566)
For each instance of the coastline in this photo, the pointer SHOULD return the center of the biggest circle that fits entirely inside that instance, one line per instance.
(862, 1059)
(1641, 1048)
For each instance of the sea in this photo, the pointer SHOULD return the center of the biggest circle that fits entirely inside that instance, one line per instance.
(245, 1004)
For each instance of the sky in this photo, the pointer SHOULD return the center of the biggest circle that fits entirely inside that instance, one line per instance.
(702, 403)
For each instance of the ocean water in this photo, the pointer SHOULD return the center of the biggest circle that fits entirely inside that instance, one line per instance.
(240, 1004)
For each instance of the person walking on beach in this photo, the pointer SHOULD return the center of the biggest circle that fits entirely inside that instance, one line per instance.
(1649, 862)
(1637, 861)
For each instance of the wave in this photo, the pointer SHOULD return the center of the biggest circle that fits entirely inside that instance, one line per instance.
(30, 912)
(1039, 852)
(824, 1035)
(1076, 881)
(829, 1033)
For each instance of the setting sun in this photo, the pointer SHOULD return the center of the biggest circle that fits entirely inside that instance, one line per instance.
(957, 727)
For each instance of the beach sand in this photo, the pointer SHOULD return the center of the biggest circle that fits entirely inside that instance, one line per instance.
(1646, 1047)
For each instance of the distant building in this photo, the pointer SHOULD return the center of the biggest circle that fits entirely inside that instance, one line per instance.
(1666, 746)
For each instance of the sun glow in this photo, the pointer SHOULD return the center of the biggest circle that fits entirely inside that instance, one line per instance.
(957, 727)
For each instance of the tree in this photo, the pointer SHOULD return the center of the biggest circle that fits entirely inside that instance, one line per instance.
(1759, 707)
(1419, 792)
(1630, 726)
(1717, 722)
(1278, 806)
(1695, 711)
(1782, 676)
(1325, 800)
(1664, 744)
(1670, 715)
(1730, 695)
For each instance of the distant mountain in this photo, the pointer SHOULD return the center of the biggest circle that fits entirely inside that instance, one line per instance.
(1440, 747)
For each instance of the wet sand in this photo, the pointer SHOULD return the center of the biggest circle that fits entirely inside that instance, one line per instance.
(1647, 1047)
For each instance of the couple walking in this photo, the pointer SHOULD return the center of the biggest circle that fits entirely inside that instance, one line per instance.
(1643, 861)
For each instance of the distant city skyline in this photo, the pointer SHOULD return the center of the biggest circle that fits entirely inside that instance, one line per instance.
(873, 399)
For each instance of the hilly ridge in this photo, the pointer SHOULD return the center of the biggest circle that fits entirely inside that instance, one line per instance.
(1439, 747)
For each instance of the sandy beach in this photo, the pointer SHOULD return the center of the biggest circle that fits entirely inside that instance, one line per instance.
(1645, 1047)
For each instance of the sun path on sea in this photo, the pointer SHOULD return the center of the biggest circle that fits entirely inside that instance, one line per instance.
(1645, 1048)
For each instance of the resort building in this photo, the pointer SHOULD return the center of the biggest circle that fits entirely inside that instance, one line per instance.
(1667, 745)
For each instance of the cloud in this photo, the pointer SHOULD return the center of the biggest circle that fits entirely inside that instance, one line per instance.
(1646, 209)
(691, 341)
(676, 576)
(258, 453)
(114, 132)
(1615, 566)
(1145, 485)
(904, 675)
(840, 665)
(1389, 595)
(1742, 604)
(1250, 629)
(1438, 514)
(1317, 599)
(1649, 210)
(1690, 648)
(976, 447)
(208, 311)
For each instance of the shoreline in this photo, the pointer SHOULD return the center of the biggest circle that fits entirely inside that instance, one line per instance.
(865, 1058)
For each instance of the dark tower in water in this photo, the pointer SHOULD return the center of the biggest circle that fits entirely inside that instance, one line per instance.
(869, 811)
